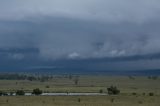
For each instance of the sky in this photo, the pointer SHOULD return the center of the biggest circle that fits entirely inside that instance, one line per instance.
(121, 33)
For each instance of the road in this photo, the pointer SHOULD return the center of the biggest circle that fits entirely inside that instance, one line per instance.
(66, 94)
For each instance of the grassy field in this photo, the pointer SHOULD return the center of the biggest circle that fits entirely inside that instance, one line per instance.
(140, 86)
(86, 84)
(80, 101)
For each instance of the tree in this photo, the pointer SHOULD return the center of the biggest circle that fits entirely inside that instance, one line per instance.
(1, 93)
(76, 81)
(31, 78)
(37, 91)
(113, 90)
(20, 92)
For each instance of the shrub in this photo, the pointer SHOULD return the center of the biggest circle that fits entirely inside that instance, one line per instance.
(11, 93)
(79, 99)
(67, 92)
(101, 91)
(47, 86)
(143, 94)
(37, 91)
(151, 94)
(153, 77)
(131, 77)
(140, 102)
(112, 100)
(113, 90)
(20, 92)
(134, 93)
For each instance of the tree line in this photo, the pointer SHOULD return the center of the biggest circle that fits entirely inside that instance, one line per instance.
(36, 91)
(24, 77)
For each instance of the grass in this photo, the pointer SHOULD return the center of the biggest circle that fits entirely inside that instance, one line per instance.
(134, 92)
(80, 101)
(85, 84)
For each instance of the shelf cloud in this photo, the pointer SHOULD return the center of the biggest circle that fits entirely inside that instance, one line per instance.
(81, 29)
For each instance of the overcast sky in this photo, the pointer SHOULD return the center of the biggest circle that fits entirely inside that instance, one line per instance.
(81, 28)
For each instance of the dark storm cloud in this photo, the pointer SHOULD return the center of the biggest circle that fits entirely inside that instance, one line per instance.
(74, 38)
(81, 29)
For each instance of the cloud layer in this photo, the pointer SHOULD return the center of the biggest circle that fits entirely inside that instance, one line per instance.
(81, 28)
(107, 10)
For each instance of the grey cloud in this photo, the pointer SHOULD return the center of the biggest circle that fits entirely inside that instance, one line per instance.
(137, 11)
(59, 37)
(81, 29)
